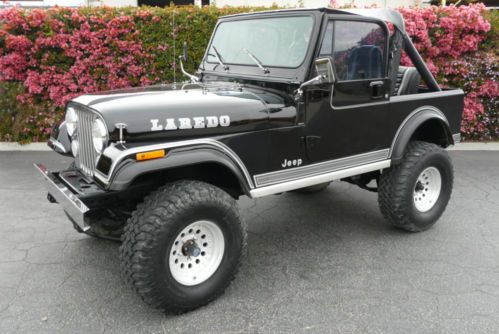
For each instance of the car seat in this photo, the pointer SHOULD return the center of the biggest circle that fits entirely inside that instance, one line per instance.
(365, 62)
(407, 81)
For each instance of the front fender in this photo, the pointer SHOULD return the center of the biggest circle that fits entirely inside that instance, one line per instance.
(131, 170)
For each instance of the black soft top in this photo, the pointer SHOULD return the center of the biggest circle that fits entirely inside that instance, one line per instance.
(385, 14)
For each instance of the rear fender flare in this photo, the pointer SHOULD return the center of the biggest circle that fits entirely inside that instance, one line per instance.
(411, 124)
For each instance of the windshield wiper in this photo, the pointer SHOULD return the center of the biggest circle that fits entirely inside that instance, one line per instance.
(219, 58)
(256, 61)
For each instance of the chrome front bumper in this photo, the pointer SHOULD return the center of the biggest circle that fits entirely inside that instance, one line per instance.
(71, 204)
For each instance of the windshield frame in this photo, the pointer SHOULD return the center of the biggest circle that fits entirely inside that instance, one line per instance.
(264, 16)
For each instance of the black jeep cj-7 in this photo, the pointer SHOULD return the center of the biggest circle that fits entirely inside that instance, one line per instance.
(283, 101)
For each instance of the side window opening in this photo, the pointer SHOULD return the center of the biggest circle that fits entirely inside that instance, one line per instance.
(358, 50)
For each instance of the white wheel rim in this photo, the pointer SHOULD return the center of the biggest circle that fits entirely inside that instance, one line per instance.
(427, 189)
(196, 253)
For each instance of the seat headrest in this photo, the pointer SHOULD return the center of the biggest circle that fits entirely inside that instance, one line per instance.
(365, 61)
(407, 81)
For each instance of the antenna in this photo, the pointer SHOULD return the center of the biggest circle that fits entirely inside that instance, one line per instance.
(174, 53)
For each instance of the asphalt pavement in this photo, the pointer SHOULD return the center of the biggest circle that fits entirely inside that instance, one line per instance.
(323, 263)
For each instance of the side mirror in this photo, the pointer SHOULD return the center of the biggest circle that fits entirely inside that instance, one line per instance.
(184, 55)
(325, 74)
(324, 68)
(312, 82)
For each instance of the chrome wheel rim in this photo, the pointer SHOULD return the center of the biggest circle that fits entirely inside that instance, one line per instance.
(427, 189)
(196, 253)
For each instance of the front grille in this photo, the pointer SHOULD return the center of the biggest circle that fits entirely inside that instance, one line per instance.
(87, 156)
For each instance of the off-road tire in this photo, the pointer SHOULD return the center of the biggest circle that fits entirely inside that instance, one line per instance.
(397, 186)
(150, 233)
(312, 189)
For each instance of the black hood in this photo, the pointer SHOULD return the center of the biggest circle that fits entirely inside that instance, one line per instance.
(210, 109)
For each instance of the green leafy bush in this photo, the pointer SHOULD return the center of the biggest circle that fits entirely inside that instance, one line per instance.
(492, 42)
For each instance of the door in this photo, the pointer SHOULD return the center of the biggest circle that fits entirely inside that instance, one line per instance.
(348, 118)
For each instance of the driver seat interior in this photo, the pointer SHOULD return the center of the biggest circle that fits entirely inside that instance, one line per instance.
(365, 62)
(407, 81)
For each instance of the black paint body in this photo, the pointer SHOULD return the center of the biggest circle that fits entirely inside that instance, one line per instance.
(268, 122)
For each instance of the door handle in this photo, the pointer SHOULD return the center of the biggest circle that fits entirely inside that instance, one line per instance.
(376, 83)
(375, 87)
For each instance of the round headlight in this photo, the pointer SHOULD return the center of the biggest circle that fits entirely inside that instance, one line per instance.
(71, 121)
(99, 135)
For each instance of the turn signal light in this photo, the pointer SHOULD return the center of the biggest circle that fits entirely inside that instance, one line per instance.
(150, 155)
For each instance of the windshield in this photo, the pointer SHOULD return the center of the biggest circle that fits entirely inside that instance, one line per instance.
(280, 42)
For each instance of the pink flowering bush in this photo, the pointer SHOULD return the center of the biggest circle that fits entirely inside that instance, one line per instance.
(478, 76)
(449, 39)
(49, 56)
(59, 53)
(446, 32)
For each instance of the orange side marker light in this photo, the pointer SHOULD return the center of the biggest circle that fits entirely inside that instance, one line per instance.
(150, 155)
